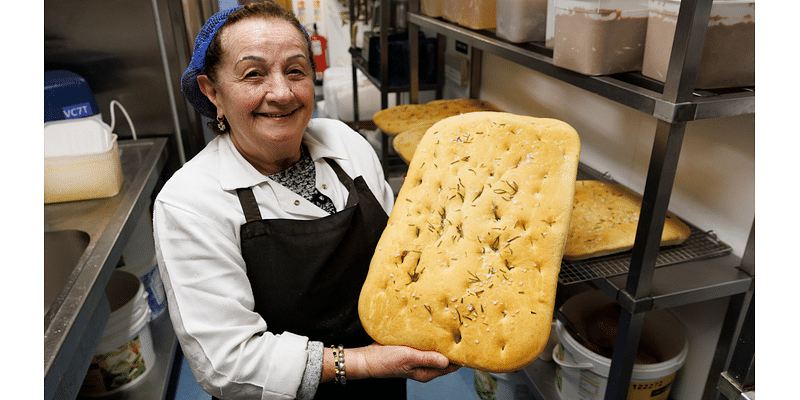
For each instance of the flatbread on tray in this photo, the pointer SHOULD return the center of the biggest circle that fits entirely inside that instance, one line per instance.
(604, 222)
(406, 142)
(468, 263)
(394, 120)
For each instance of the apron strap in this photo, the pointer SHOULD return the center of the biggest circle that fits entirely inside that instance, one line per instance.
(249, 204)
(346, 180)
(343, 177)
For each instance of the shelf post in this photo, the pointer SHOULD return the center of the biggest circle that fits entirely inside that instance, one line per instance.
(356, 122)
(385, 19)
(413, 56)
(687, 48)
(736, 369)
(660, 177)
(475, 70)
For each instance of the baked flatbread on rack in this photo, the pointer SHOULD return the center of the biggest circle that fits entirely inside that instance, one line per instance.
(394, 120)
(605, 218)
(468, 263)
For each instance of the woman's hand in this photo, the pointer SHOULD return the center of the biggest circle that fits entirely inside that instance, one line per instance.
(377, 361)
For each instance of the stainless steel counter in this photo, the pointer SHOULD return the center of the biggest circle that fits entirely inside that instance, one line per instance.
(72, 321)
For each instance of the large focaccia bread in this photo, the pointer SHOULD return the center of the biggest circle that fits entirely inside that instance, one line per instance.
(394, 120)
(468, 263)
(604, 222)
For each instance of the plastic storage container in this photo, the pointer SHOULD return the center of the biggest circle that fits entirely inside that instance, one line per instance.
(81, 156)
(125, 353)
(728, 58)
(473, 14)
(521, 20)
(431, 8)
(582, 373)
(600, 37)
(85, 176)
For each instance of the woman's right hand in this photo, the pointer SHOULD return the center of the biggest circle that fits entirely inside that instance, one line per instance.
(377, 361)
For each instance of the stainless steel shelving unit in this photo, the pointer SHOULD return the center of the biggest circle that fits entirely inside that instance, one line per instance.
(673, 104)
(382, 82)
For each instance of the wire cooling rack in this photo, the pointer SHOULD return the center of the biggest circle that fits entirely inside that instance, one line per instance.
(700, 245)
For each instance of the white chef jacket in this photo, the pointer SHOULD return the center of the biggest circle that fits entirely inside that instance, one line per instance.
(197, 216)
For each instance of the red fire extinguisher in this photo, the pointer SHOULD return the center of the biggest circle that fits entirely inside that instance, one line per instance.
(319, 45)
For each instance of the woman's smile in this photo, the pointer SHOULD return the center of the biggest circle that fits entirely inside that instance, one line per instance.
(279, 114)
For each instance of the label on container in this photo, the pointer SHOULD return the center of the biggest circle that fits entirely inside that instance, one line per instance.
(156, 298)
(77, 111)
(113, 369)
(485, 385)
(653, 390)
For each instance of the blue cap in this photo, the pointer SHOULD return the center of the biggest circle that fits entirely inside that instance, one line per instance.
(189, 86)
(67, 96)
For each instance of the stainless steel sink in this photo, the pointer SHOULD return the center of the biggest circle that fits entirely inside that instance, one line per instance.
(62, 252)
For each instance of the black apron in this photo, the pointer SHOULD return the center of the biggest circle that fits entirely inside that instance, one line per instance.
(306, 276)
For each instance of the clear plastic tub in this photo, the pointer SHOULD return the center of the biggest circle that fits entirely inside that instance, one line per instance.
(473, 14)
(521, 20)
(600, 37)
(728, 58)
(81, 177)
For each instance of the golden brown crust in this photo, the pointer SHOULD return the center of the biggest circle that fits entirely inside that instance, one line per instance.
(406, 142)
(468, 264)
(604, 222)
(394, 120)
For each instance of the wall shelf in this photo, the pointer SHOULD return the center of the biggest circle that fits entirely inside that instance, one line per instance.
(630, 89)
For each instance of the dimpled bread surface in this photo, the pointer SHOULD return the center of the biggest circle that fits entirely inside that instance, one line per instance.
(468, 263)
(605, 218)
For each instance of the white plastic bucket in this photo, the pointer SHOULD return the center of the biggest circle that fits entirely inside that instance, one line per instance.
(125, 353)
(583, 374)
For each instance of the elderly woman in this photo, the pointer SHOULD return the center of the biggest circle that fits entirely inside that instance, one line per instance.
(264, 238)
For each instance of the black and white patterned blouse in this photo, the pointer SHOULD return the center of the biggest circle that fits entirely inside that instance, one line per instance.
(301, 179)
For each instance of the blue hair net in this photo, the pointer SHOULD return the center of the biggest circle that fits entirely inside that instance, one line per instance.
(189, 86)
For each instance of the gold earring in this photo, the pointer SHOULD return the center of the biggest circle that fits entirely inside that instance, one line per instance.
(221, 124)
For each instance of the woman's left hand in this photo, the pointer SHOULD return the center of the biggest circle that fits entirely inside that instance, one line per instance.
(377, 361)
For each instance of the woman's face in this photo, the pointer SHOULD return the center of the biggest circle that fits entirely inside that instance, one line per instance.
(264, 85)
